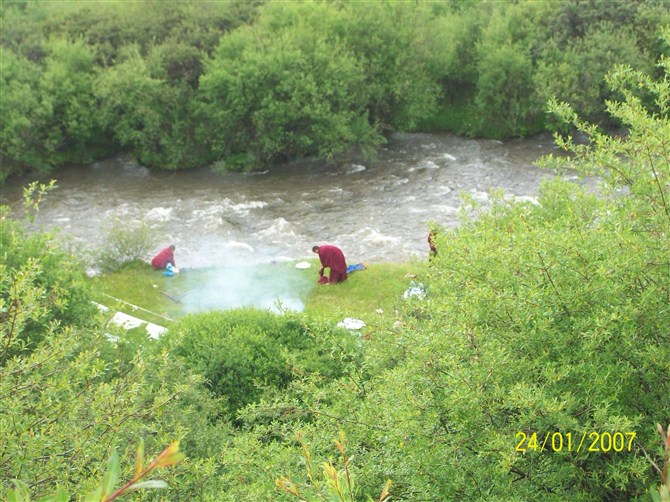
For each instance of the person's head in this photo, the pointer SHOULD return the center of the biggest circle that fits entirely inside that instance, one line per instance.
(315, 249)
(172, 247)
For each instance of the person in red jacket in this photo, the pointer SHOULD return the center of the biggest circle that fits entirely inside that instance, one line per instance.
(331, 257)
(164, 258)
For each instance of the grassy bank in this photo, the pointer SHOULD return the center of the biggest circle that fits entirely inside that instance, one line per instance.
(140, 291)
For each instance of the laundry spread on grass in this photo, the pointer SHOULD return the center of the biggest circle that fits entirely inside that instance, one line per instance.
(354, 268)
(351, 323)
(415, 290)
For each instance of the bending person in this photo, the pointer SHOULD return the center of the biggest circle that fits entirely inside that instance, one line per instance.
(164, 258)
(331, 257)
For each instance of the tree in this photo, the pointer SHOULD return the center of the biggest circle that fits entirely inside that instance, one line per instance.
(147, 115)
(504, 97)
(22, 116)
(544, 336)
(391, 42)
(505, 101)
(577, 73)
(50, 117)
(73, 132)
(274, 92)
(246, 354)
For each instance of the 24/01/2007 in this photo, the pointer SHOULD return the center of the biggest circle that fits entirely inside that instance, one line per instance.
(603, 442)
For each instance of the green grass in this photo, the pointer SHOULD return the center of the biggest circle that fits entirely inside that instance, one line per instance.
(149, 295)
(379, 286)
(138, 284)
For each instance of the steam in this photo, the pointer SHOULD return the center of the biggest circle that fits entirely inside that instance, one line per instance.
(272, 286)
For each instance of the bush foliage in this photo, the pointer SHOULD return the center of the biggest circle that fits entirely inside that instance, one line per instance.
(246, 352)
(126, 242)
(242, 84)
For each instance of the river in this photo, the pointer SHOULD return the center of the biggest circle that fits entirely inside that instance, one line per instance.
(374, 210)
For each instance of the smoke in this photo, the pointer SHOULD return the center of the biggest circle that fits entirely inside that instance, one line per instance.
(273, 286)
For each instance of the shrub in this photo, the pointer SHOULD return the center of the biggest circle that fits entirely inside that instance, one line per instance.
(242, 352)
(42, 289)
(126, 242)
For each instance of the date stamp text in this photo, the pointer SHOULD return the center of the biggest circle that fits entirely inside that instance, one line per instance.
(600, 442)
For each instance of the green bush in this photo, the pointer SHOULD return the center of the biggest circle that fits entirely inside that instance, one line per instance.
(243, 352)
(42, 290)
(126, 242)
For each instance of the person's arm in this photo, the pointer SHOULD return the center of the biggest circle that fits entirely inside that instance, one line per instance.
(323, 265)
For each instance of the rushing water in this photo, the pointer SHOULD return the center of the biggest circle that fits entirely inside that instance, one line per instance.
(375, 211)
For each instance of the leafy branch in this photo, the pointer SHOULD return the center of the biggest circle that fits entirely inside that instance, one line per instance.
(340, 485)
(106, 492)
